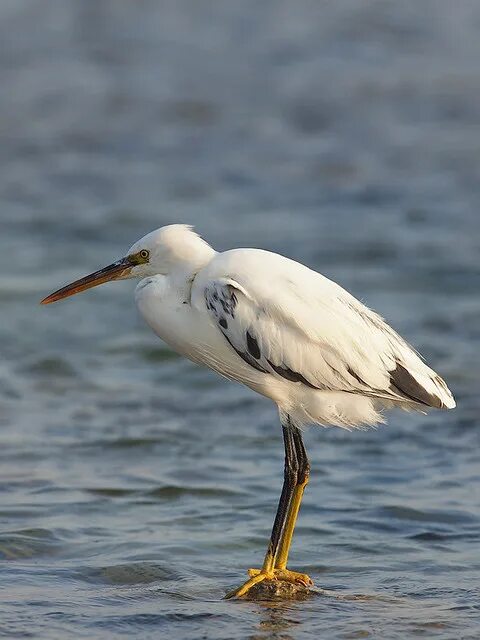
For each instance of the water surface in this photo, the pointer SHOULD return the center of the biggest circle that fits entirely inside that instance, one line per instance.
(136, 488)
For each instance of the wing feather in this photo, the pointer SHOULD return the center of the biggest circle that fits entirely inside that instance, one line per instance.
(286, 320)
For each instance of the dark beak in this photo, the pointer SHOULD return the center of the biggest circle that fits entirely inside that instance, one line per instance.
(116, 271)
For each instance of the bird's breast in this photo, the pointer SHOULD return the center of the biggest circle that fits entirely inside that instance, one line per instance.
(167, 311)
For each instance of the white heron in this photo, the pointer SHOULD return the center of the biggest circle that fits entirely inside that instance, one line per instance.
(285, 331)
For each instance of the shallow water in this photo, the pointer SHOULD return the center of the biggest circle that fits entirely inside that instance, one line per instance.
(137, 488)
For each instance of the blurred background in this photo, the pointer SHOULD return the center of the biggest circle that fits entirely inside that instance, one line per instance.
(135, 487)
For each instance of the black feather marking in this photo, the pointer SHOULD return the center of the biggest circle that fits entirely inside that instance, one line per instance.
(356, 376)
(252, 346)
(293, 376)
(403, 381)
(246, 357)
(221, 301)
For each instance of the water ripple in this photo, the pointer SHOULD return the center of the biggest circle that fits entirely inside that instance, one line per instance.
(137, 488)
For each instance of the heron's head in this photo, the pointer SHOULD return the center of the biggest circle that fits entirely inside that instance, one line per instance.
(175, 247)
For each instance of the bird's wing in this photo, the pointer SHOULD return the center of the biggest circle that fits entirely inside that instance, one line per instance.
(289, 321)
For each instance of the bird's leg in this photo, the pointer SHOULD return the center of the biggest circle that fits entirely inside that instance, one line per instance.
(302, 481)
(280, 566)
(289, 482)
(286, 512)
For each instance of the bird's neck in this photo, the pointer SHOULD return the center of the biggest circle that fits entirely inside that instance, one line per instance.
(191, 262)
(183, 275)
(189, 255)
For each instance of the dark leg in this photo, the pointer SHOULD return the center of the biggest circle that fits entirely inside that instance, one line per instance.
(296, 471)
(289, 482)
(302, 478)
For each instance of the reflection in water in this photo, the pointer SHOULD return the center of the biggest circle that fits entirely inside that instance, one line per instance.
(276, 620)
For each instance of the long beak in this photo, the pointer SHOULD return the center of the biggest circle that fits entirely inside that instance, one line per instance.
(115, 271)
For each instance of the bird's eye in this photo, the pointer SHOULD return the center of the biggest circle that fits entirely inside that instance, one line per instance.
(144, 254)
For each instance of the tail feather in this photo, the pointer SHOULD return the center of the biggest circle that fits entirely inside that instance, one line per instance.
(421, 385)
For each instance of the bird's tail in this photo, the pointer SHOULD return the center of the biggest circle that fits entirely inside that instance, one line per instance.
(413, 379)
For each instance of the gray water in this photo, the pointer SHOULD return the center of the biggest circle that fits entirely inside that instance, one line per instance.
(136, 488)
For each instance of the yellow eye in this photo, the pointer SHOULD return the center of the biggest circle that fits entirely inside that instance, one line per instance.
(144, 254)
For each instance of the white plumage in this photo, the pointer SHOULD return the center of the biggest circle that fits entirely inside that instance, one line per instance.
(282, 329)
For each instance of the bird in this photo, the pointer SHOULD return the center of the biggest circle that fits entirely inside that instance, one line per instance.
(286, 332)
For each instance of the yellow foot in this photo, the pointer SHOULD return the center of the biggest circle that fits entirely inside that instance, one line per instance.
(286, 575)
(259, 575)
